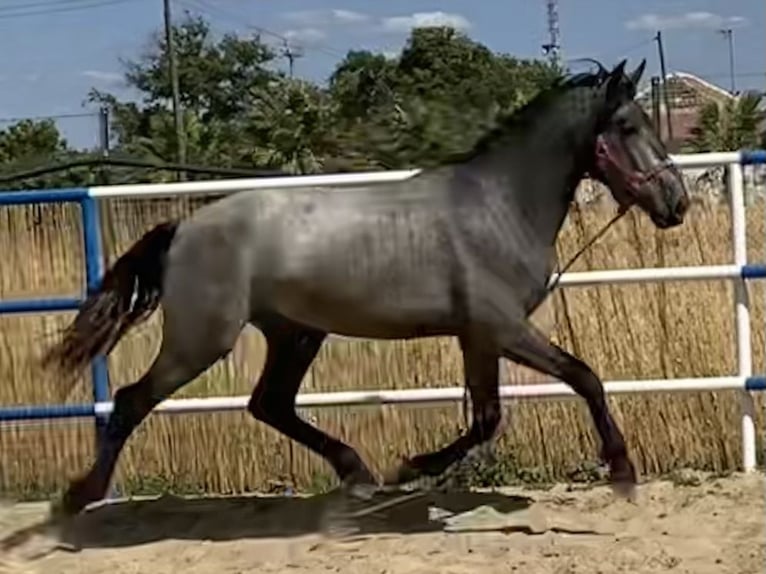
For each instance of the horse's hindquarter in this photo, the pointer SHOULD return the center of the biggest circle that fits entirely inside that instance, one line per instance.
(362, 263)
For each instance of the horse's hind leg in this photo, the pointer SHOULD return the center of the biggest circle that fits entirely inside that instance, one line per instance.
(481, 377)
(291, 350)
(186, 352)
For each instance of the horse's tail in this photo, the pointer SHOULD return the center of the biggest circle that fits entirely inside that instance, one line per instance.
(129, 293)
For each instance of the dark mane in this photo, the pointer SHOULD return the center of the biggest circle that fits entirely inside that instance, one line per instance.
(508, 122)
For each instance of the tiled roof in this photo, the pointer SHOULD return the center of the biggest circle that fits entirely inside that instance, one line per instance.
(687, 90)
(688, 93)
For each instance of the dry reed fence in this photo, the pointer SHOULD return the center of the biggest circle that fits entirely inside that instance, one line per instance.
(624, 332)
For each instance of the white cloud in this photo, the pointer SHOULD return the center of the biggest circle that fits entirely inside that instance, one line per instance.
(311, 25)
(403, 24)
(349, 16)
(313, 18)
(699, 20)
(303, 17)
(305, 35)
(101, 76)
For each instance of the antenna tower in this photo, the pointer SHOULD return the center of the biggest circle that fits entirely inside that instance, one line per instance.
(553, 48)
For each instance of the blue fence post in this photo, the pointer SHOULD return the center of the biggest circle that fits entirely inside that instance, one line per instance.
(91, 225)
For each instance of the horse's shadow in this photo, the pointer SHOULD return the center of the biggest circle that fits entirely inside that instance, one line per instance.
(132, 523)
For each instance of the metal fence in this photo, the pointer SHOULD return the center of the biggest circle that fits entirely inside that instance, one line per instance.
(739, 271)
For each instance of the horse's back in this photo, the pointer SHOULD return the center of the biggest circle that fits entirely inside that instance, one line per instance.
(357, 262)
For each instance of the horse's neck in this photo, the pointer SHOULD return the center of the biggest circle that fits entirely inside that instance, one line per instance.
(544, 170)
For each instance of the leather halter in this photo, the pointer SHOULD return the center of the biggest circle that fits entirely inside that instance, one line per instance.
(608, 160)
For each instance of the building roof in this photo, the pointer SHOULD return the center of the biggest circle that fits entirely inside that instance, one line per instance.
(688, 94)
(688, 91)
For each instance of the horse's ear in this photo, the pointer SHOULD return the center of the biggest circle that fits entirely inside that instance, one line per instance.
(615, 82)
(635, 76)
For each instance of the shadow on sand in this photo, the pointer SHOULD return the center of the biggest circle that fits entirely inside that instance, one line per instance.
(132, 523)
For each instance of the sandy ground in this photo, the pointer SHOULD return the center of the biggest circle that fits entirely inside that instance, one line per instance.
(715, 526)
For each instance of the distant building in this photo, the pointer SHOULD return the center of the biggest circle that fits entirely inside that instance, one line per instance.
(688, 95)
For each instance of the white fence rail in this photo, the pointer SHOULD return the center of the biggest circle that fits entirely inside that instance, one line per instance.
(732, 160)
(739, 271)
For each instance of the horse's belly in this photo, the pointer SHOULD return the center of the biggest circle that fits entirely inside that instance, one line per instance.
(375, 315)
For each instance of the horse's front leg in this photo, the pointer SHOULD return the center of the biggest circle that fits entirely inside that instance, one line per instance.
(481, 377)
(524, 344)
(530, 348)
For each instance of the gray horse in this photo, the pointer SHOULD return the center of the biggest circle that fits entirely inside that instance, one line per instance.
(465, 249)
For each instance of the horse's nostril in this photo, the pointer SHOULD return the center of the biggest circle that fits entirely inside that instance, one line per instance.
(682, 205)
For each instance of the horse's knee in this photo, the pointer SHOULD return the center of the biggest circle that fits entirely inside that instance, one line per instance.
(255, 408)
(262, 407)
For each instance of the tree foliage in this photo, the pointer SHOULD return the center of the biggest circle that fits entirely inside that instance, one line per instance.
(28, 144)
(435, 99)
(375, 111)
(729, 127)
(28, 140)
(432, 100)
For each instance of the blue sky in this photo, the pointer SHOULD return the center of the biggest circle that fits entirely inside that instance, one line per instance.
(55, 50)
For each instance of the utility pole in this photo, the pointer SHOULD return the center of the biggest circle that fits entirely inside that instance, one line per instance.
(103, 130)
(656, 119)
(292, 54)
(175, 90)
(729, 35)
(665, 91)
(553, 48)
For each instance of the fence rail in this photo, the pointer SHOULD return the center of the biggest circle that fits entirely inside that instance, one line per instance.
(739, 272)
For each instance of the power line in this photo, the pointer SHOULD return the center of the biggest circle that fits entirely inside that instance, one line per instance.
(38, 4)
(618, 52)
(213, 10)
(736, 75)
(88, 4)
(48, 117)
(630, 48)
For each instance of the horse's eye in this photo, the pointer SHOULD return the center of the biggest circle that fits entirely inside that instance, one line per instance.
(628, 128)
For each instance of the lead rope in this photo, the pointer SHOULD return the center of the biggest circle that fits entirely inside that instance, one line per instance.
(620, 214)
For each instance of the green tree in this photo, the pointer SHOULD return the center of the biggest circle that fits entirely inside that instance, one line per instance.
(288, 128)
(361, 83)
(30, 140)
(30, 144)
(216, 75)
(376, 112)
(220, 81)
(731, 126)
(435, 99)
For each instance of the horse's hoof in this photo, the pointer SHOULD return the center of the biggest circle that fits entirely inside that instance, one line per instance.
(361, 484)
(60, 509)
(363, 492)
(402, 474)
(623, 478)
(625, 490)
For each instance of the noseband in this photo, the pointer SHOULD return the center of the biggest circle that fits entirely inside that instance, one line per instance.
(608, 160)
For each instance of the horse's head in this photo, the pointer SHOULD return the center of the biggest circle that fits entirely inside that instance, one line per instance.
(631, 159)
